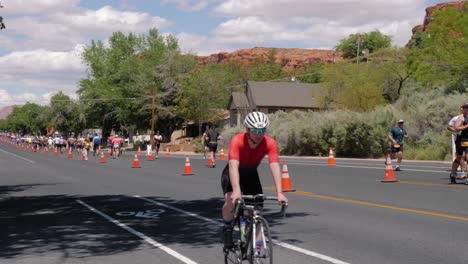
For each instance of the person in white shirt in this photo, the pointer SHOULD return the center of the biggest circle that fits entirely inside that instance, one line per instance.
(459, 153)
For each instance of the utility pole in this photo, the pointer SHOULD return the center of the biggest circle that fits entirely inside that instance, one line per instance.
(153, 94)
(358, 43)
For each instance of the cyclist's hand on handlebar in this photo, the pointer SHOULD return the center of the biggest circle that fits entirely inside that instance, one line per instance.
(235, 196)
(282, 199)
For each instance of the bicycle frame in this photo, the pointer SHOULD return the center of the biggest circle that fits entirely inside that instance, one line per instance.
(246, 249)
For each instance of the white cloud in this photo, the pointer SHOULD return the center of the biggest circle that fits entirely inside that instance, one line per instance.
(28, 7)
(319, 23)
(8, 98)
(63, 30)
(190, 5)
(42, 70)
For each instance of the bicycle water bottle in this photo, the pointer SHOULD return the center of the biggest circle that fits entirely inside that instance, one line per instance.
(243, 223)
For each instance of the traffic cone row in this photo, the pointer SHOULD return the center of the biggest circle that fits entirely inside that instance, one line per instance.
(389, 175)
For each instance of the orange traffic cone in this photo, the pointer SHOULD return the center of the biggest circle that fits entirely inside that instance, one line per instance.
(285, 179)
(46, 150)
(139, 152)
(83, 156)
(188, 167)
(168, 154)
(389, 175)
(70, 155)
(55, 152)
(102, 159)
(221, 154)
(136, 162)
(109, 153)
(331, 158)
(210, 163)
(99, 151)
(150, 156)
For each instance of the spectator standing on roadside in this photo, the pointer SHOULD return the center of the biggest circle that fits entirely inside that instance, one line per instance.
(396, 136)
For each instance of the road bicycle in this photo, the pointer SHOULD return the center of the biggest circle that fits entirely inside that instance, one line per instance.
(251, 232)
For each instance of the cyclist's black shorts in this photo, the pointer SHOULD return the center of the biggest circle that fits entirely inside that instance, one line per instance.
(249, 181)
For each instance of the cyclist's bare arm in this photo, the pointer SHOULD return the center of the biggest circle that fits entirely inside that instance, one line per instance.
(234, 178)
(276, 173)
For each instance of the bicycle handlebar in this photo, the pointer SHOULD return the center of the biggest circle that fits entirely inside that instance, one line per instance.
(259, 198)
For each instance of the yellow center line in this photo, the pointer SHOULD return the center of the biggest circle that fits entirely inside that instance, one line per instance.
(396, 208)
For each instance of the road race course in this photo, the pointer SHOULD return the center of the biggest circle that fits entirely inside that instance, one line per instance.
(60, 210)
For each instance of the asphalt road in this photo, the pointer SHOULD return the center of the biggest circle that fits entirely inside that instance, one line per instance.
(60, 210)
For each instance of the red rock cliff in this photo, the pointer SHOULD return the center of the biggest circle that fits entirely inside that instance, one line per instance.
(290, 58)
(459, 5)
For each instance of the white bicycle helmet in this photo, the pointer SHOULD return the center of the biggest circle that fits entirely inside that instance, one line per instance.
(256, 120)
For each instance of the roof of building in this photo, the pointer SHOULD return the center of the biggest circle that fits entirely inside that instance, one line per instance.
(238, 100)
(285, 94)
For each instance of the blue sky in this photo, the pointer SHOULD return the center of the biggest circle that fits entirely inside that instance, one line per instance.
(40, 49)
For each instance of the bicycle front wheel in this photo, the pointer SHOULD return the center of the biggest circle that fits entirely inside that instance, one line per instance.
(261, 252)
(234, 255)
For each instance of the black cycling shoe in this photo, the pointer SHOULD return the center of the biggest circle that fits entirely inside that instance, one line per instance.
(452, 179)
(227, 237)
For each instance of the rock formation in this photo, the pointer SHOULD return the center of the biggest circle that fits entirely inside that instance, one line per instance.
(459, 5)
(290, 59)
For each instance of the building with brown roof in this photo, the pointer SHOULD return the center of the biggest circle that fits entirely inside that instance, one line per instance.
(269, 97)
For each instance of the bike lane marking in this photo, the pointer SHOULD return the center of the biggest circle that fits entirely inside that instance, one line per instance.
(277, 242)
(144, 237)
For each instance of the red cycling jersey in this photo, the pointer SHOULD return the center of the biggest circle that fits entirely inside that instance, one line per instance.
(240, 150)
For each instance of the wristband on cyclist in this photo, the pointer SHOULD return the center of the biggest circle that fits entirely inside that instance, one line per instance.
(279, 192)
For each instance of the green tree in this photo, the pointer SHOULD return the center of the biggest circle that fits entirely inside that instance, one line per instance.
(395, 74)
(311, 73)
(351, 86)
(439, 56)
(65, 114)
(205, 93)
(29, 119)
(266, 69)
(117, 92)
(371, 41)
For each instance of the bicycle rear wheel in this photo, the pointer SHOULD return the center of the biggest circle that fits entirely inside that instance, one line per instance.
(263, 254)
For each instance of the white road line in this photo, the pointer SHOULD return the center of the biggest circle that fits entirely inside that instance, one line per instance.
(25, 159)
(363, 167)
(277, 242)
(139, 234)
(310, 253)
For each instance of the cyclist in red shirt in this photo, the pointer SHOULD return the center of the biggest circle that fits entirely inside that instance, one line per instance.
(240, 176)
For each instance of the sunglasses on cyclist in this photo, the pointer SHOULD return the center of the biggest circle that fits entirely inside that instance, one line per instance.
(260, 131)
